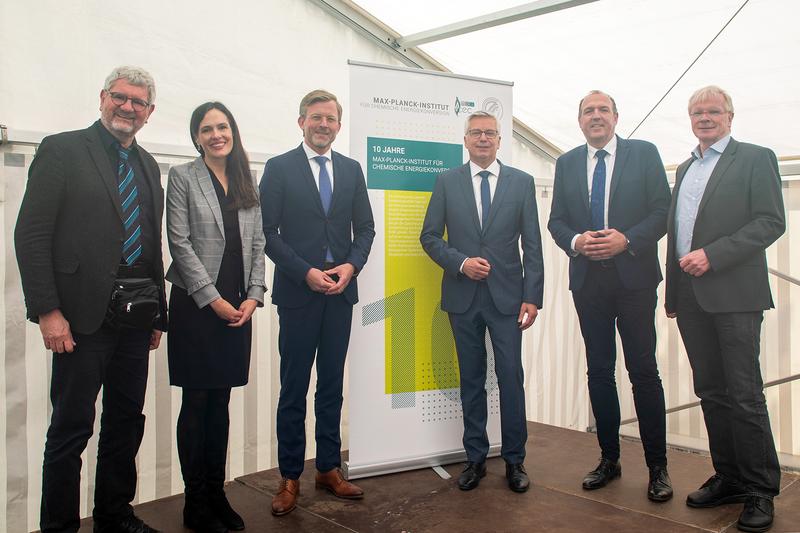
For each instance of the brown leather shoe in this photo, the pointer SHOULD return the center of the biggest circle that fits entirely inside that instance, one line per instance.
(285, 500)
(335, 483)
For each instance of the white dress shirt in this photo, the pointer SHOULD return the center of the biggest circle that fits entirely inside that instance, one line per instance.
(474, 169)
(311, 154)
(591, 164)
(494, 169)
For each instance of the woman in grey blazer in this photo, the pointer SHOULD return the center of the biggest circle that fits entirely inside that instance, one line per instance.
(217, 274)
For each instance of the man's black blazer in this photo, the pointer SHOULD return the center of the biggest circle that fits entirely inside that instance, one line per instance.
(637, 206)
(740, 214)
(297, 229)
(69, 232)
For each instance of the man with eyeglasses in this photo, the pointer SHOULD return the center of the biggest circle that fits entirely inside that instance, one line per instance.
(319, 229)
(609, 209)
(727, 208)
(91, 215)
(488, 208)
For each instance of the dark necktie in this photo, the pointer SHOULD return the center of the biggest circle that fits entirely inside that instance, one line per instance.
(128, 196)
(599, 191)
(325, 189)
(486, 197)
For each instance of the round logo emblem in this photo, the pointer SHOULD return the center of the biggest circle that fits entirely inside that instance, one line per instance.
(493, 106)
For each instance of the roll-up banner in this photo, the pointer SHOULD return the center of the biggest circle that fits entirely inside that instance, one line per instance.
(406, 127)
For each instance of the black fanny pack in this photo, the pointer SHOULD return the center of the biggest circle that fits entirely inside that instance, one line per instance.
(135, 304)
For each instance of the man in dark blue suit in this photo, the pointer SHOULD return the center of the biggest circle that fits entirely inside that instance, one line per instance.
(609, 210)
(319, 229)
(487, 208)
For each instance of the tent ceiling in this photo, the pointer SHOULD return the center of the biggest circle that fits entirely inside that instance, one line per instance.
(635, 50)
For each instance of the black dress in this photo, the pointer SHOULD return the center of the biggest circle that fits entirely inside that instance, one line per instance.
(204, 352)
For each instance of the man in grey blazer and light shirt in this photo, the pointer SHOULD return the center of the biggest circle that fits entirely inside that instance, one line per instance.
(727, 208)
(487, 209)
(610, 202)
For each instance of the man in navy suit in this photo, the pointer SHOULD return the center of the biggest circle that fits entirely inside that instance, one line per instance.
(487, 207)
(609, 210)
(319, 230)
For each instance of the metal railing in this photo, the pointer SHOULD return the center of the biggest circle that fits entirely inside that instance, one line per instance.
(683, 407)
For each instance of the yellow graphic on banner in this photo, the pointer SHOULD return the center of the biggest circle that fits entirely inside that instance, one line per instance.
(420, 351)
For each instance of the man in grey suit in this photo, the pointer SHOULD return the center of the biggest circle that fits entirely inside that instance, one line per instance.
(727, 208)
(486, 208)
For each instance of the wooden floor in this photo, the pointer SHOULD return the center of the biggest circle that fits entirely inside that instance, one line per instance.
(557, 459)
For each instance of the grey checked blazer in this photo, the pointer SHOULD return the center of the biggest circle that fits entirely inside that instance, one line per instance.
(197, 237)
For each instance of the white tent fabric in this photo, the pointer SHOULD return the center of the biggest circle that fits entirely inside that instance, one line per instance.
(634, 50)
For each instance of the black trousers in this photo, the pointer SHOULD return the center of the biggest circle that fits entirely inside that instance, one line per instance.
(469, 331)
(116, 361)
(723, 349)
(603, 303)
(202, 436)
(321, 330)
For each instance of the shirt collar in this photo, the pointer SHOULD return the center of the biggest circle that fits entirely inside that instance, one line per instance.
(611, 148)
(311, 154)
(494, 168)
(109, 141)
(718, 147)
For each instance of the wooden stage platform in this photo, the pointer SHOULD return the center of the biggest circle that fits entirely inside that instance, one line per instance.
(557, 459)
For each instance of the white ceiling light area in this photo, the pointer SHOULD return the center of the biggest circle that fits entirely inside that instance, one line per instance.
(634, 50)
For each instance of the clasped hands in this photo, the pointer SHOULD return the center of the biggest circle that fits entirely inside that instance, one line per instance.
(332, 281)
(601, 244)
(235, 318)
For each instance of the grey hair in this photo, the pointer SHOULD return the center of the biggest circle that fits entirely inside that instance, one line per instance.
(595, 91)
(481, 114)
(135, 76)
(711, 90)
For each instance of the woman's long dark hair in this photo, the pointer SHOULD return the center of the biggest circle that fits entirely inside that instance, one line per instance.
(237, 166)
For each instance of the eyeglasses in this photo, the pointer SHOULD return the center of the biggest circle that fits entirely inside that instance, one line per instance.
(713, 113)
(476, 133)
(119, 100)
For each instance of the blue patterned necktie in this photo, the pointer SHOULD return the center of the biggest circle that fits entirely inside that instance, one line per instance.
(486, 197)
(128, 196)
(599, 191)
(325, 189)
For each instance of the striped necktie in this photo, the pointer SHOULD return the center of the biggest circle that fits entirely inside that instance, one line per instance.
(128, 196)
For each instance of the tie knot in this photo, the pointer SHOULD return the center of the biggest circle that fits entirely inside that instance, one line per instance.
(484, 174)
(321, 160)
(123, 152)
(600, 154)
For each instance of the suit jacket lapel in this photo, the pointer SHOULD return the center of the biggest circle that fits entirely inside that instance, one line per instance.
(619, 165)
(469, 195)
(680, 172)
(108, 175)
(725, 160)
(581, 171)
(499, 193)
(308, 177)
(204, 178)
(337, 191)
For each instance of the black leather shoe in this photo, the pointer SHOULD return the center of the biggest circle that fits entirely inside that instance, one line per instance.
(130, 524)
(198, 517)
(222, 509)
(716, 491)
(660, 487)
(517, 477)
(471, 476)
(757, 514)
(600, 476)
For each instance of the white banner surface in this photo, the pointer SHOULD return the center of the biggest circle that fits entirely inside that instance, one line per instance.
(407, 126)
